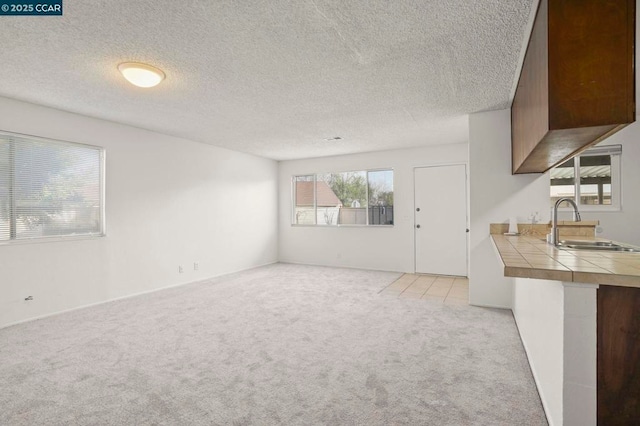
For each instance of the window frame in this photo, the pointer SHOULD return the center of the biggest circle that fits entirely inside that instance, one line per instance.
(315, 201)
(102, 191)
(615, 152)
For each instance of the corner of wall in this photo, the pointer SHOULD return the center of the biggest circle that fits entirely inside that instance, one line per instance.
(495, 196)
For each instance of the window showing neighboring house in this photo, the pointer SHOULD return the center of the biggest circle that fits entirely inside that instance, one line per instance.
(49, 188)
(315, 203)
(345, 198)
(591, 179)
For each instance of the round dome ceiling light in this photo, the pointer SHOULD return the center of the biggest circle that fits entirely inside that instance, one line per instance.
(141, 75)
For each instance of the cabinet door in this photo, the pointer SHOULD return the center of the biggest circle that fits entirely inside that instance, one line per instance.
(618, 355)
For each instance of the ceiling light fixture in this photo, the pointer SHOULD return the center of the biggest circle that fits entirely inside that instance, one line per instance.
(141, 75)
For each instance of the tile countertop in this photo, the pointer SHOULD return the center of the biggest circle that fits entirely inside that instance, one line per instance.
(526, 256)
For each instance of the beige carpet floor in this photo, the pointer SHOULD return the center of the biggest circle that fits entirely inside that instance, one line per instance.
(282, 344)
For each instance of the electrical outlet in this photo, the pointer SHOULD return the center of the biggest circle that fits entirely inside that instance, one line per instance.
(196, 266)
(180, 269)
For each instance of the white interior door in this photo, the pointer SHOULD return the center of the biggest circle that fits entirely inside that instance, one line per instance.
(441, 220)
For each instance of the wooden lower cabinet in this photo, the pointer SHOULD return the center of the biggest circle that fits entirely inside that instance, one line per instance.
(618, 355)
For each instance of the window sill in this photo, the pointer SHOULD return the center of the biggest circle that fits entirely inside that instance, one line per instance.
(593, 209)
(294, 225)
(56, 239)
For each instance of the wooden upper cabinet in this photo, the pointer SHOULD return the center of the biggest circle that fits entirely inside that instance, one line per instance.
(577, 84)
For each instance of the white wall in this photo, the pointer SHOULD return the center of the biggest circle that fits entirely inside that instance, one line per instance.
(539, 313)
(495, 196)
(557, 325)
(169, 202)
(381, 248)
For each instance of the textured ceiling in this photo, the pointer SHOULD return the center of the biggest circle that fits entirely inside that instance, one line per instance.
(274, 77)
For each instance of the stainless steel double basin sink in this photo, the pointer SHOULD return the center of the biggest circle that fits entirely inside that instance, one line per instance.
(596, 245)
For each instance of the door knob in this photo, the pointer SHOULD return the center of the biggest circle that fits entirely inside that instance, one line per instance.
(417, 226)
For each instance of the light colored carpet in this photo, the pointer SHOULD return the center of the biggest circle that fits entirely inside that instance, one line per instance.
(282, 344)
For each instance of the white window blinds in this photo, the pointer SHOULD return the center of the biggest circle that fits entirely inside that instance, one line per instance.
(49, 188)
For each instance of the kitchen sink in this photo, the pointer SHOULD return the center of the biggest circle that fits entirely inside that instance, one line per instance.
(589, 243)
(596, 245)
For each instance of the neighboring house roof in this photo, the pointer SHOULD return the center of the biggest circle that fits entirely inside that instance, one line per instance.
(326, 196)
(585, 171)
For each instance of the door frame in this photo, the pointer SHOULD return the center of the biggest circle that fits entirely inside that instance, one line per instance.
(466, 201)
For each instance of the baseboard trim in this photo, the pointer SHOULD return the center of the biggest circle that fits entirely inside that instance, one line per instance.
(128, 296)
(483, 305)
(341, 266)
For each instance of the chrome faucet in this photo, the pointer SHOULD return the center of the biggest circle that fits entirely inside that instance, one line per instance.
(553, 237)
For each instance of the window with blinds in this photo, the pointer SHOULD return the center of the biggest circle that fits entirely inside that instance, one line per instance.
(49, 188)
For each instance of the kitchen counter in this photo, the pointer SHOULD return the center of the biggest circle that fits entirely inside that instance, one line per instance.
(577, 315)
(529, 256)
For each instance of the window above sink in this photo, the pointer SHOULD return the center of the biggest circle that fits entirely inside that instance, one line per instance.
(592, 180)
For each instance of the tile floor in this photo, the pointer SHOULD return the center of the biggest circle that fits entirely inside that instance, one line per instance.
(437, 288)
